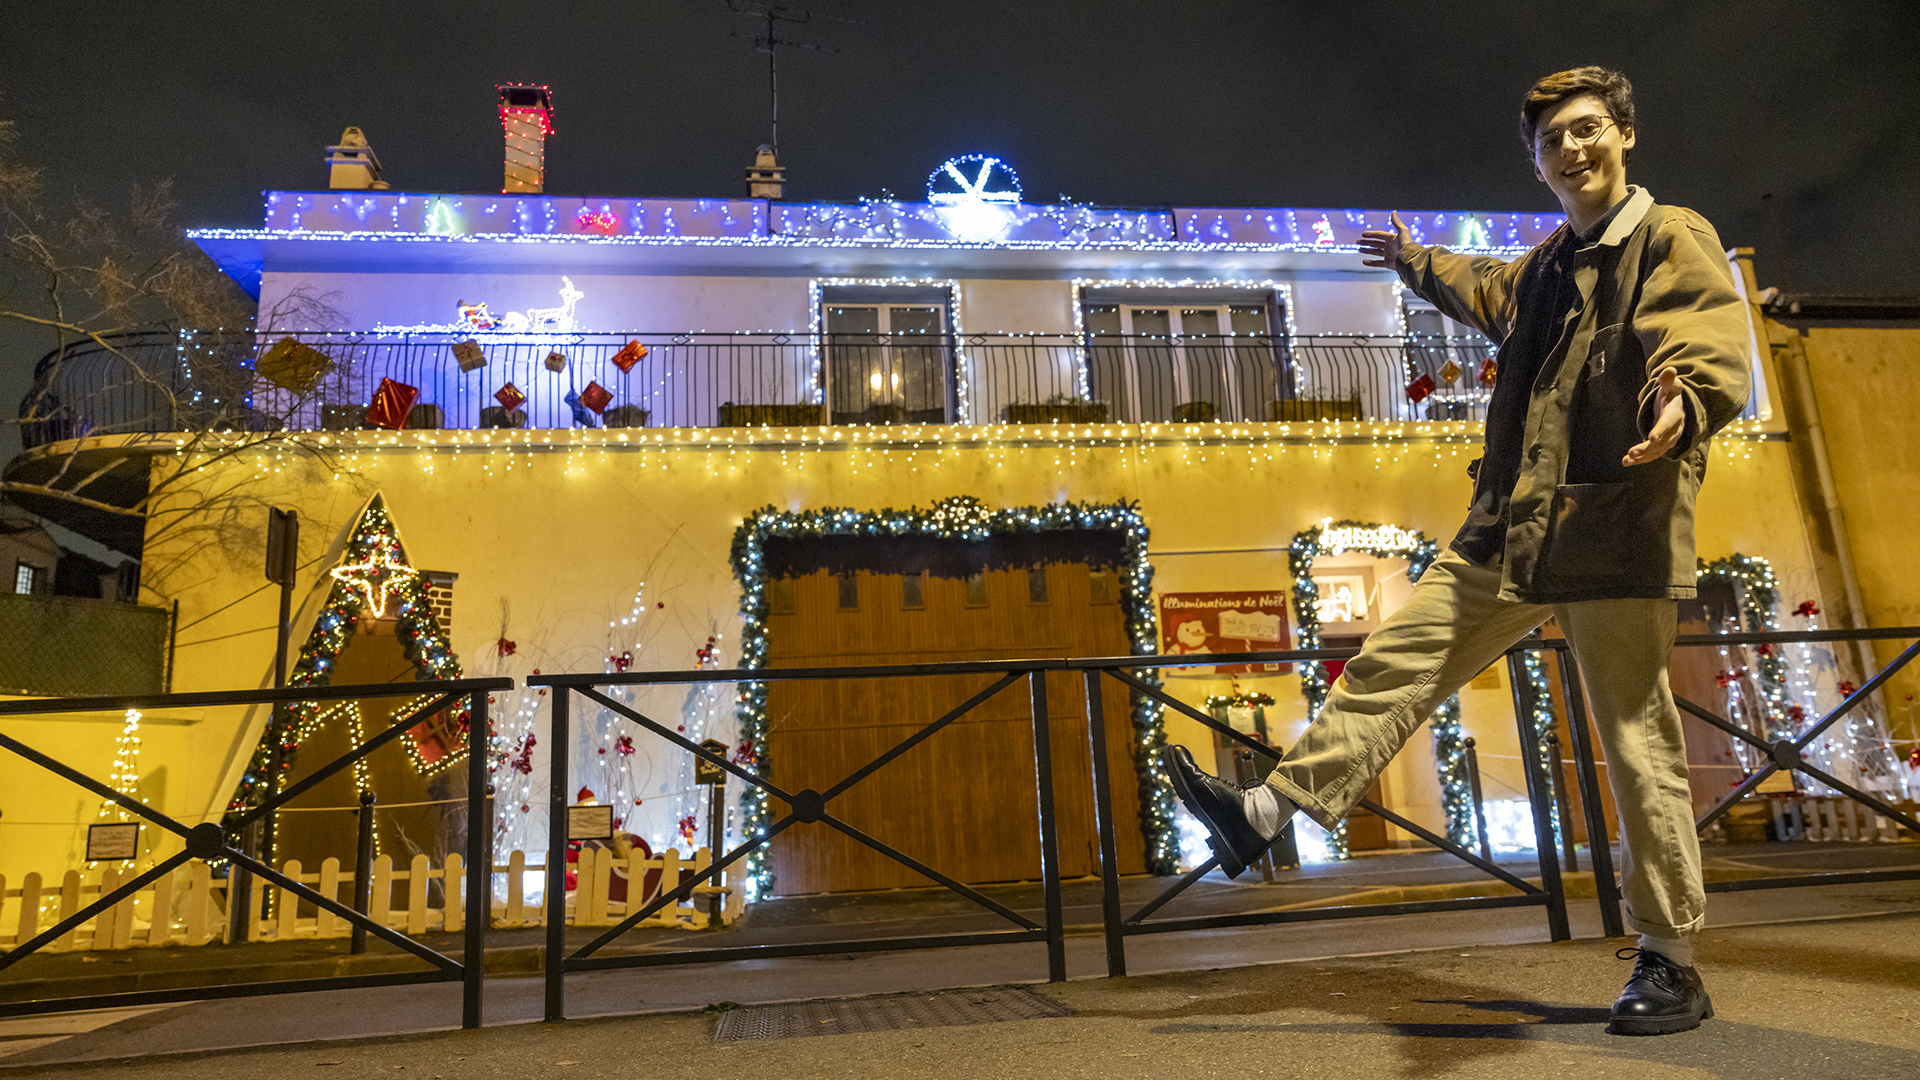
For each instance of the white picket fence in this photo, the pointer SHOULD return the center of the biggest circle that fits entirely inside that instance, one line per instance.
(189, 907)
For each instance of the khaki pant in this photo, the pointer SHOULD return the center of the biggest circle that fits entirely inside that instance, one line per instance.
(1453, 626)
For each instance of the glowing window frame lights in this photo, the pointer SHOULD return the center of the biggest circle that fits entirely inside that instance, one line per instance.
(816, 328)
(1282, 295)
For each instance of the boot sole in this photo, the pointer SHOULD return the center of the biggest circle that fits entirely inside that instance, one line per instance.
(1659, 1025)
(1229, 863)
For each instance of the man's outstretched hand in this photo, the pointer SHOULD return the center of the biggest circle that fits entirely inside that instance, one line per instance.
(1670, 419)
(1383, 248)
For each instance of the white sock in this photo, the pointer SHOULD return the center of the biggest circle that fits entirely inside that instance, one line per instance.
(1678, 950)
(1267, 810)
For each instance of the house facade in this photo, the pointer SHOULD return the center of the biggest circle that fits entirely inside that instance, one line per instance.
(575, 411)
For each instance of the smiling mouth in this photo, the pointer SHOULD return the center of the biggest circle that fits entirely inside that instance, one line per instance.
(1577, 170)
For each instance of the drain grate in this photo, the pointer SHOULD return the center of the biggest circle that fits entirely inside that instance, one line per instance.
(953, 1008)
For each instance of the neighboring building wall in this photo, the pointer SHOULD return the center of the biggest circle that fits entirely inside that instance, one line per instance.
(1859, 387)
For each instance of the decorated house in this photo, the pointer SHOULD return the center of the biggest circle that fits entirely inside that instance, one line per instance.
(625, 433)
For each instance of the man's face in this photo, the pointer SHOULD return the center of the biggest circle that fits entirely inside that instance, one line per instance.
(1582, 173)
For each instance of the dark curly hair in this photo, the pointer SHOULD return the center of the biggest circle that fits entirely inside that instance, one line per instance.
(1607, 85)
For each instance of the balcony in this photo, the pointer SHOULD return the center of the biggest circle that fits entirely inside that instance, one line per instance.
(164, 382)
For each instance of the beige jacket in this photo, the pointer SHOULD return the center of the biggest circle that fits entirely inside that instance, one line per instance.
(1655, 291)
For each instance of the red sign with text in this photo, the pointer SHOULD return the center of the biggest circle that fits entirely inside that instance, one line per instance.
(1225, 622)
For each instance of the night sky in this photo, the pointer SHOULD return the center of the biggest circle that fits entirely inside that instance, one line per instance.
(1124, 102)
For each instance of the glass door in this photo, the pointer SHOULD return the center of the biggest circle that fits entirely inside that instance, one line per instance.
(1161, 363)
(888, 364)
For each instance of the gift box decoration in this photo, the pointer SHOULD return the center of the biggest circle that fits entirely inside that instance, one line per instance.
(509, 397)
(1489, 371)
(596, 397)
(391, 404)
(290, 365)
(630, 354)
(1449, 371)
(468, 355)
(556, 361)
(1418, 389)
(581, 416)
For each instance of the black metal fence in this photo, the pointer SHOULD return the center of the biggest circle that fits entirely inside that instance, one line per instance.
(211, 841)
(803, 807)
(1548, 800)
(168, 382)
(1541, 796)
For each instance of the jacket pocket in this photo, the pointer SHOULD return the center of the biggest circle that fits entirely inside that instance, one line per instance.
(1626, 535)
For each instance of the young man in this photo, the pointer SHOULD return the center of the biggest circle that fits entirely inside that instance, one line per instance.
(1623, 348)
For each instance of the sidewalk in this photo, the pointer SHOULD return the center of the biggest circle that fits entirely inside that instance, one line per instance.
(1862, 959)
(1834, 998)
(1375, 879)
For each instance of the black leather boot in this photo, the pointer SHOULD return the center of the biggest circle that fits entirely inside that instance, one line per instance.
(1220, 806)
(1661, 998)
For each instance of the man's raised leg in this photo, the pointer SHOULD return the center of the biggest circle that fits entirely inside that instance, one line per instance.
(1453, 625)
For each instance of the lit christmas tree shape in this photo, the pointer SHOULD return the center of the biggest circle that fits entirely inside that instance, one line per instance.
(373, 543)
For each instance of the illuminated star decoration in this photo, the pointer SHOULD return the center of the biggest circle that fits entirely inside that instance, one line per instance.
(977, 210)
(382, 573)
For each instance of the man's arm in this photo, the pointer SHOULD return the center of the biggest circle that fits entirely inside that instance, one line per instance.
(1478, 290)
(1695, 334)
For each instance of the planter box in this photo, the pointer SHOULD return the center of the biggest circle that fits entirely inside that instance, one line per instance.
(1091, 413)
(1297, 409)
(425, 418)
(493, 416)
(809, 415)
(626, 416)
(1194, 412)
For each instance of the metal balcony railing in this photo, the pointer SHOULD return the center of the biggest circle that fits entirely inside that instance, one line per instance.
(171, 382)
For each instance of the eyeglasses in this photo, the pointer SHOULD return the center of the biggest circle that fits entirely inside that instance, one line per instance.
(1584, 131)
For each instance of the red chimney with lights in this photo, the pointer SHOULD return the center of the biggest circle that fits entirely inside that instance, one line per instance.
(526, 112)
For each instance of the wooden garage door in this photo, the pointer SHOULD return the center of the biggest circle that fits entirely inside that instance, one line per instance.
(964, 801)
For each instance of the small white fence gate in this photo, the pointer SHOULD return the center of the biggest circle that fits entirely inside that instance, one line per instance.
(189, 906)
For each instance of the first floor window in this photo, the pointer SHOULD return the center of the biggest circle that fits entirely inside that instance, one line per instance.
(26, 579)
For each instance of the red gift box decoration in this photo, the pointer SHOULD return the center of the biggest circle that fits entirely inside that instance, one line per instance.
(509, 397)
(630, 354)
(1418, 389)
(391, 403)
(1489, 371)
(556, 361)
(596, 397)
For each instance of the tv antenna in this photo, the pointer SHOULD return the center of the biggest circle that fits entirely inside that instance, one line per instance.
(770, 42)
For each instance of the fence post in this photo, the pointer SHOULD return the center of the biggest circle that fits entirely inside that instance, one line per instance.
(1599, 853)
(556, 898)
(1541, 800)
(240, 890)
(1562, 802)
(473, 953)
(1103, 821)
(1479, 800)
(1049, 836)
(363, 872)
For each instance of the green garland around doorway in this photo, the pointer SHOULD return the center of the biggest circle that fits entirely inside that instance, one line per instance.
(1381, 541)
(966, 519)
